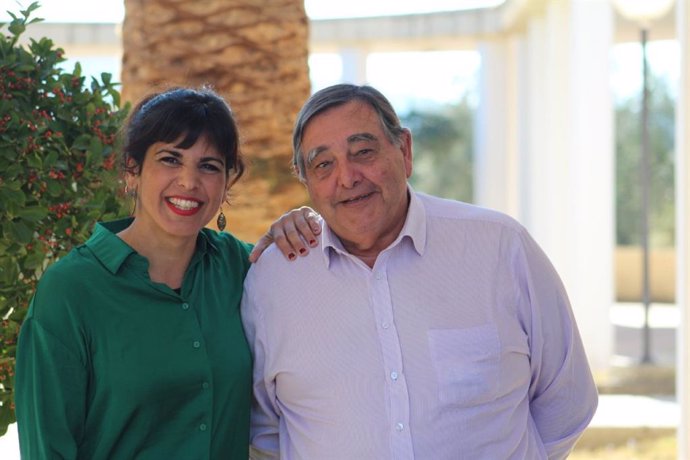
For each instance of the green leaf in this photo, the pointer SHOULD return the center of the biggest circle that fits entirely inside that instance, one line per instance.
(34, 161)
(25, 68)
(34, 260)
(27, 12)
(33, 213)
(50, 159)
(116, 99)
(15, 197)
(82, 142)
(96, 147)
(8, 269)
(8, 153)
(20, 232)
(12, 184)
(55, 189)
(16, 28)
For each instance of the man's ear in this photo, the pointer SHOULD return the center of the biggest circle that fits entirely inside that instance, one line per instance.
(296, 172)
(406, 148)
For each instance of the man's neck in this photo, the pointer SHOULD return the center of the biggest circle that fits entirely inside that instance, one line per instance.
(367, 253)
(367, 250)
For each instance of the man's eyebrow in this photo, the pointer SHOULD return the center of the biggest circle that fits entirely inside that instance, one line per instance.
(358, 137)
(361, 137)
(313, 153)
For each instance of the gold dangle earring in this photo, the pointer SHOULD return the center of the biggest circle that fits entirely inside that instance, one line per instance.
(221, 222)
(132, 193)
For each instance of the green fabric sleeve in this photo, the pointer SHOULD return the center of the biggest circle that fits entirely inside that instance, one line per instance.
(50, 394)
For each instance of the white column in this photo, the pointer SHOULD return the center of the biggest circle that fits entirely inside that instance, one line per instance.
(545, 161)
(497, 127)
(568, 165)
(590, 205)
(535, 109)
(354, 65)
(683, 229)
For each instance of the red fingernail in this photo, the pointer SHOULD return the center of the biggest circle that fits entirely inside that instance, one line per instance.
(312, 242)
(302, 251)
(291, 256)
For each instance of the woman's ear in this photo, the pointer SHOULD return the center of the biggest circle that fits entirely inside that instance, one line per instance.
(131, 177)
(131, 166)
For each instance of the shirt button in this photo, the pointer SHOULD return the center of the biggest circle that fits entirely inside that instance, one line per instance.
(379, 276)
(394, 375)
(385, 325)
(202, 427)
(399, 426)
(205, 385)
(196, 344)
(185, 306)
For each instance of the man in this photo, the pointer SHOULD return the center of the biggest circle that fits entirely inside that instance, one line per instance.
(420, 328)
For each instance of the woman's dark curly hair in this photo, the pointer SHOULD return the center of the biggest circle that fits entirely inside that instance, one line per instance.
(182, 115)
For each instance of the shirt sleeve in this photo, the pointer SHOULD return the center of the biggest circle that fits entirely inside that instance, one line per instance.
(563, 395)
(50, 389)
(264, 427)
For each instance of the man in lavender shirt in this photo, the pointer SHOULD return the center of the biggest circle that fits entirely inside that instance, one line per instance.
(420, 328)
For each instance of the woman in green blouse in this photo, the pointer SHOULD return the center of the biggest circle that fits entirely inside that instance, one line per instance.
(133, 346)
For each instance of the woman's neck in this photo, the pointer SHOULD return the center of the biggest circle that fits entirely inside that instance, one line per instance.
(168, 257)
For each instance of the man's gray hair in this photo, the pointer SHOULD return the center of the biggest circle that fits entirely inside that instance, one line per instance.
(334, 96)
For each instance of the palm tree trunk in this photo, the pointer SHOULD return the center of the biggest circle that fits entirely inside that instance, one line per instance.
(254, 53)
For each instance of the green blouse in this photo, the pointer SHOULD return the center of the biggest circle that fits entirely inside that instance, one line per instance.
(112, 365)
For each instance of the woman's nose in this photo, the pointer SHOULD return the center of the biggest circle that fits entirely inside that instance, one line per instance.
(188, 178)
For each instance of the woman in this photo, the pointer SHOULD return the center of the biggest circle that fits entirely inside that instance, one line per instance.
(133, 345)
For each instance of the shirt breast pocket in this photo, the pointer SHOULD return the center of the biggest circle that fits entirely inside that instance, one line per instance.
(466, 362)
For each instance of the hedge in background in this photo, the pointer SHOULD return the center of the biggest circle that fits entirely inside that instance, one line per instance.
(58, 173)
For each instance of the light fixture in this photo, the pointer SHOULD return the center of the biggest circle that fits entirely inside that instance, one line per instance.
(644, 12)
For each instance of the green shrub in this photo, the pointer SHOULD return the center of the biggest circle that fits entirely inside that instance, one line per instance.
(58, 172)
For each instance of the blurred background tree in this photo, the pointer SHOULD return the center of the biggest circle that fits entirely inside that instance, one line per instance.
(442, 150)
(661, 146)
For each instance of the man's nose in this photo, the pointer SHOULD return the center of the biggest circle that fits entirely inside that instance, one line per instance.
(349, 175)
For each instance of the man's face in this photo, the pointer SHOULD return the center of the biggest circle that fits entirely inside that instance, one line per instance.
(356, 177)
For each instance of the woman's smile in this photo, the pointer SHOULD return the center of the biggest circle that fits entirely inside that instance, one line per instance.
(183, 206)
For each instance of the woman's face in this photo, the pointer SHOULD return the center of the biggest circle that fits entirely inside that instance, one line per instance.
(179, 190)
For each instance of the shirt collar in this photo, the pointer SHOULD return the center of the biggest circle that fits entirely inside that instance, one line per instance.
(112, 251)
(414, 229)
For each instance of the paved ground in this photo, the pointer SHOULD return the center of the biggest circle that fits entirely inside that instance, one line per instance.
(633, 396)
(628, 320)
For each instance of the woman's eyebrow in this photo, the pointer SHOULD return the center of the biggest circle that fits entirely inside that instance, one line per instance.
(170, 151)
(216, 159)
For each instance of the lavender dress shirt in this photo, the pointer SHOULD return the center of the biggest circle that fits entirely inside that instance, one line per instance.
(459, 343)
